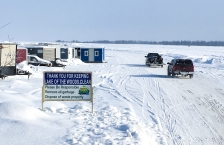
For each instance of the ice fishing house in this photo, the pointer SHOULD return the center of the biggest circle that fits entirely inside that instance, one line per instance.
(21, 55)
(92, 55)
(7, 59)
(67, 52)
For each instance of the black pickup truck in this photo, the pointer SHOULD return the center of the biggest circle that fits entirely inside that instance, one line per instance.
(154, 59)
(184, 67)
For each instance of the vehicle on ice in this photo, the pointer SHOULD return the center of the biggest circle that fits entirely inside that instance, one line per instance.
(35, 60)
(183, 67)
(61, 63)
(154, 59)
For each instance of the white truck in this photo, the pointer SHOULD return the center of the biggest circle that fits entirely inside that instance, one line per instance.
(35, 60)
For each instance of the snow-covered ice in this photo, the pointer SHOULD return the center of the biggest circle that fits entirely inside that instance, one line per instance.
(133, 104)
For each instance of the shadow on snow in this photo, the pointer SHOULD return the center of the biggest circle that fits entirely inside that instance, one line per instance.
(142, 65)
(135, 65)
(151, 76)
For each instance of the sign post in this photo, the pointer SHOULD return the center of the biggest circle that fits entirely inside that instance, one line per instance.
(67, 86)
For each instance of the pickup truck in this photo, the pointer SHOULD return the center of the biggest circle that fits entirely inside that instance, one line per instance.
(183, 67)
(35, 60)
(154, 59)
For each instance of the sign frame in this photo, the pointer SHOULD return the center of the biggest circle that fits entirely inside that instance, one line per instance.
(76, 79)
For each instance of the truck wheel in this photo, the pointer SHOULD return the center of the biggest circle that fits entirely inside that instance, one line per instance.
(173, 75)
(168, 73)
(191, 76)
(161, 65)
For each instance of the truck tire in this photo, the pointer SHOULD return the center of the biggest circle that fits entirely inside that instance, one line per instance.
(191, 76)
(173, 74)
(49, 65)
(168, 73)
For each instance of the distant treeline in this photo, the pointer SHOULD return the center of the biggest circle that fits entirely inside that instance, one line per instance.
(187, 43)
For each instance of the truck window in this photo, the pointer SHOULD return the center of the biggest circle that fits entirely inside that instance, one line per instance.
(184, 62)
(33, 59)
(181, 62)
(188, 62)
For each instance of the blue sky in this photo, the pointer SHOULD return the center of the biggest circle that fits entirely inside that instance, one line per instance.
(88, 20)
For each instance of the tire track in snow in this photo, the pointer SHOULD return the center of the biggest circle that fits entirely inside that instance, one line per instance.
(110, 83)
(169, 122)
(167, 119)
(141, 85)
(173, 104)
(149, 98)
(130, 89)
(198, 118)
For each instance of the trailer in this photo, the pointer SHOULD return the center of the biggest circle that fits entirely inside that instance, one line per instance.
(67, 53)
(21, 55)
(92, 55)
(7, 59)
(57, 49)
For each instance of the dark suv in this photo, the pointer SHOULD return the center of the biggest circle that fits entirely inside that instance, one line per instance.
(154, 59)
(182, 67)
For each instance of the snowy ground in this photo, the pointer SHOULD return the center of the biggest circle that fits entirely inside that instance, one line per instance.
(133, 104)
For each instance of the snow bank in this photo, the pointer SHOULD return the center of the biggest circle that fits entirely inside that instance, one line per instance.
(19, 111)
(75, 61)
(23, 66)
(209, 60)
(105, 126)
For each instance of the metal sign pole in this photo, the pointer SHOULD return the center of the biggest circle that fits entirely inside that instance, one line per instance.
(92, 97)
(42, 98)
